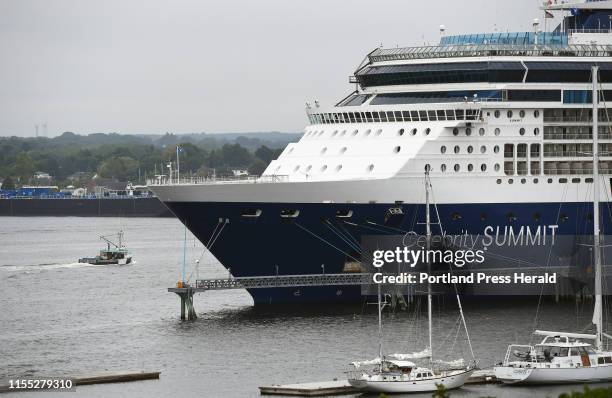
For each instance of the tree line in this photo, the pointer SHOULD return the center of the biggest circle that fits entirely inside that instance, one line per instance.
(72, 159)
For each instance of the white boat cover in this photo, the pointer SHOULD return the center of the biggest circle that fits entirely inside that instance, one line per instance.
(401, 364)
(426, 353)
(359, 364)
(456, 364)
(564, 334)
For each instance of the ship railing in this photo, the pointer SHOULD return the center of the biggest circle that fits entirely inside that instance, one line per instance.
(220, 180)
(571, 172)
(567, 154)
(569, 136)
(570, 31)
(571, 119)
(261, 282)
(489, 100)
(573, 154)
(76, 197)
(486, 50)
(567, 119)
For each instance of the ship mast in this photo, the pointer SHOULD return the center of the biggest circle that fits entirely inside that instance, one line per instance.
(597, 313)
(428, 247)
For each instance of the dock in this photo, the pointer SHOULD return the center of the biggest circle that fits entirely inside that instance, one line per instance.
(342, 387)
(484, 376)
(316, 389)
(84, 380)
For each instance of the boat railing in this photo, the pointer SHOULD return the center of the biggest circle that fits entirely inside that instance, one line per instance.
(219, 180)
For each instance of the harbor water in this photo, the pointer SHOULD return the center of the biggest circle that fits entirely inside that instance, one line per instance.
(61, 318)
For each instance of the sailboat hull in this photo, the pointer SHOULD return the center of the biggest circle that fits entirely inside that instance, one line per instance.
(513, 375)
(450, 382)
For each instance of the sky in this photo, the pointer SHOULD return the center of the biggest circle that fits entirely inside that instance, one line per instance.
(190, 66)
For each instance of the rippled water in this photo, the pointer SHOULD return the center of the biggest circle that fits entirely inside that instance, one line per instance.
(59, 317)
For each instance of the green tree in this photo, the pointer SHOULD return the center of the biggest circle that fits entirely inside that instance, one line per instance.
(230, 156)
(122, 168)
(265, 154)
(257, 167)
(441, 392)
(8, 183)
(24, 167)
(191, 157)
(588, 393)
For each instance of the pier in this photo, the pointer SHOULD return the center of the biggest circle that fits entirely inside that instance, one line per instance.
(98, 378)
(342, 387)
(186, 291)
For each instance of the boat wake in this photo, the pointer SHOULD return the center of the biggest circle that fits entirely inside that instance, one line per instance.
(53, 266)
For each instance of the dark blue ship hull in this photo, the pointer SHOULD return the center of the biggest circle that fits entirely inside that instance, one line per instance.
(317, 240)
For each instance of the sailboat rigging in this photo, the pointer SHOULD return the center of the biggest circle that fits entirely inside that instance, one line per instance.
(398, 373)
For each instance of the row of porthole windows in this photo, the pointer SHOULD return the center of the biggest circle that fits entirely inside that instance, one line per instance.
(513, 217)
(367, 133)
(468, 131)
(470, 149)
(536, 131)
(343, 133)
(413, 132)
(457, 167)
(550, 181)
(323, 168)
(456, 216)
(510, 114)
(497, 131)
(343, 150)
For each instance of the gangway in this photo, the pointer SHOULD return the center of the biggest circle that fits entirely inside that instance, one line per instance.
(186, 291)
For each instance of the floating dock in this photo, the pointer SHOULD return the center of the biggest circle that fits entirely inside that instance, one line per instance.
(342, 387)
(316, 389)
(485, 376)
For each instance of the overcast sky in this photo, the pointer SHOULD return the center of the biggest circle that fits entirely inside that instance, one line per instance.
(151, 66)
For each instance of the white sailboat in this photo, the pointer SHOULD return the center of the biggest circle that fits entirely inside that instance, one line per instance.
(567, 357)
(398, 373)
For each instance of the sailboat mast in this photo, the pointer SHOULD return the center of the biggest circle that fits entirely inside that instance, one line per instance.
(598, 313)
(428, 236)
(380, 331)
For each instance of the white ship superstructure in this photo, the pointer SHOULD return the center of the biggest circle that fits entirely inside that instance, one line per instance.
(501, 121)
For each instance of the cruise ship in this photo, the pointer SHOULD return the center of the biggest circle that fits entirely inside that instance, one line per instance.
(501, 121)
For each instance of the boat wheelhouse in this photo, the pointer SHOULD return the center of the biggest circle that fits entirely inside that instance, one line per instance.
(114, 253)
(559, 358)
